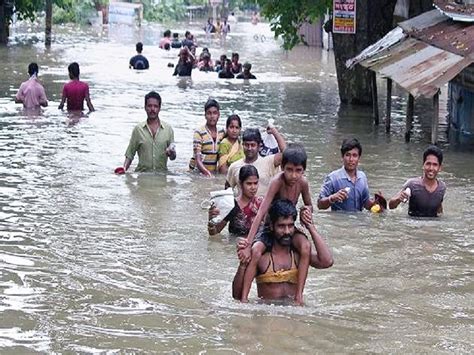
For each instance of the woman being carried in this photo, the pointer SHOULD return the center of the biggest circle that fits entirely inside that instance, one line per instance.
(246, 205)
(230, 148)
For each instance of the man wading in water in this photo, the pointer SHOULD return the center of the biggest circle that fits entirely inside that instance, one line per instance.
(277, 268)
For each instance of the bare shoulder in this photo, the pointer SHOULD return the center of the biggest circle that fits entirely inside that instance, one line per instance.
(263, 263)
(303, 182)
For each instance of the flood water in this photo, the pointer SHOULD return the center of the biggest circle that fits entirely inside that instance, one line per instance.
(94, 262)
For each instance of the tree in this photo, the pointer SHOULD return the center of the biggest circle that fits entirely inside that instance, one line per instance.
(24, 10)
(374, 20)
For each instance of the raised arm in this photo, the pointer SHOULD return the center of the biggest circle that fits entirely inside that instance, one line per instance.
(398, 198)
(281, 144)
(248, 277)
(215, 228)
(238, 282)
(322, 257)
(306, 194)
(264, 207)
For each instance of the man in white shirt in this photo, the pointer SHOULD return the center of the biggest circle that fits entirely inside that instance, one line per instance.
(267, 167)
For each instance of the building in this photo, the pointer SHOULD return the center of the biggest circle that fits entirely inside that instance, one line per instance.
(424, 53)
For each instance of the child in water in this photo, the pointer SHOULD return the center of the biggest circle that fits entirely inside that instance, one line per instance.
(246, 205)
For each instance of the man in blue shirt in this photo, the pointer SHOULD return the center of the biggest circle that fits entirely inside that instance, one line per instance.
(346, 189)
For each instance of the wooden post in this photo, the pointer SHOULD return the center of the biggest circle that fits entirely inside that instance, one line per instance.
(49, 16)
(375, 101)
(435, 119)
(388, 117)
(409, 121)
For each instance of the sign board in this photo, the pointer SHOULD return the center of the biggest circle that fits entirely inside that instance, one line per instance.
(344, 16)
(124, 13)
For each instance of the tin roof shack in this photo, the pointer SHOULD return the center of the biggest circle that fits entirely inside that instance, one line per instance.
(421, 55)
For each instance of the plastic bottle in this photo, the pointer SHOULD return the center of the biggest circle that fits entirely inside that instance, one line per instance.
(408, 192)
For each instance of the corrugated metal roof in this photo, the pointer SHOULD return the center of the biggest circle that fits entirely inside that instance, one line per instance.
(394, 36)
(422, 21)
(454, 37)
(419, 68)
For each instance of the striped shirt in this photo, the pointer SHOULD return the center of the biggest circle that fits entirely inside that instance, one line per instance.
(204, 145)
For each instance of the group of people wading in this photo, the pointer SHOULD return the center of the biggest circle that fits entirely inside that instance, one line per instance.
(270, 247)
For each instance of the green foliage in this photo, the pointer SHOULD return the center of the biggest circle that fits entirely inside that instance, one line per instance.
(287, 16)
(77, 11)
(166, 10)
(64, 10)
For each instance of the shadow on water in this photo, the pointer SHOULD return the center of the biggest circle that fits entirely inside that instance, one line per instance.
(91, 261)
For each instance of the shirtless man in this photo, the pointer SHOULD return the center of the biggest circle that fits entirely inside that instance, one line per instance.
(277, 270)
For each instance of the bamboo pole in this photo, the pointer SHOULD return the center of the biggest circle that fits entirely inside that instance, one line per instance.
(375, 101)
(388, 117)
(409, 121)
(435, 119)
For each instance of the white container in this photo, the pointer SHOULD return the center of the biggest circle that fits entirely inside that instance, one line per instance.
(347, 189)
(408, 192)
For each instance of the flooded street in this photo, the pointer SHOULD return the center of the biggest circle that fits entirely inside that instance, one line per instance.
(94, 262)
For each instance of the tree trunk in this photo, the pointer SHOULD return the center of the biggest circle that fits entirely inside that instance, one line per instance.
(49, 15)
(417, 7)
(4, 24)
(374, 20)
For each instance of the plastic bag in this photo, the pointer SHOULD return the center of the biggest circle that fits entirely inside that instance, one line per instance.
(269, 143)
(223, 200)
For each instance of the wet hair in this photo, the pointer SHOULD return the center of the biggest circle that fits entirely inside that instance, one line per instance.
(167, 33)
(186, 34)
(175, 35)
(252, 135)
(153, 95)
(223, 57)
(433, 150)
(294, 153)
(33, 69)
(349, 144)
(233, 118)
(247, 65)
(139, 47)
(73, 69)
(227, 62)
(211, 103)
(282, 208)
(247, 171)
(235, 55)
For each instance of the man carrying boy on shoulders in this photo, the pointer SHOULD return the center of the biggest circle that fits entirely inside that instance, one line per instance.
(278, 269)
